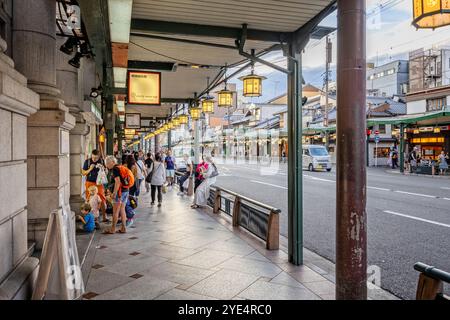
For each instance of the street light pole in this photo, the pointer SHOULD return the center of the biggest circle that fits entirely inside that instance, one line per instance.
(327, 73)
(351, 230)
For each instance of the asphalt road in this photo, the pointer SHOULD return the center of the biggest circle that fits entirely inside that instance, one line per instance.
(408, 216)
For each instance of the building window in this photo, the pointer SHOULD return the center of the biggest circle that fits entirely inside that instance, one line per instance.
(382, 128)
(436, 104)
(391, 71)
(257, 114)
(382, 152)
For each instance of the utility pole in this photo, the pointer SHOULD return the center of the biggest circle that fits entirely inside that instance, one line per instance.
(327, 79)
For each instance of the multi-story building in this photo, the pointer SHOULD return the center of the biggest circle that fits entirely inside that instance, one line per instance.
(427, 100)
(388, 80)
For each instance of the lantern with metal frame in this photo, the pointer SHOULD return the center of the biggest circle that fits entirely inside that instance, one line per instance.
(183, 118)
(176, 122)
(208, 101)
(431, 14)
(195, 110)
(225, 96)
(252, 83)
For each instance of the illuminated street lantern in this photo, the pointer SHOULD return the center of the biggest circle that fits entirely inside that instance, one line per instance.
(437, 130)
(170, 125)
(195, 112)
(183, 119)
(225, 98)
(431, 14)
(208, 105)
(252, 84)
(176, 122)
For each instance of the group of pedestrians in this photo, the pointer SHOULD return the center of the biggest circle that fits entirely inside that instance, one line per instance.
(115, 188)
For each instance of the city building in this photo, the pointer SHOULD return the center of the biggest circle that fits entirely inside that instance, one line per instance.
(428, 101)
(388, 80)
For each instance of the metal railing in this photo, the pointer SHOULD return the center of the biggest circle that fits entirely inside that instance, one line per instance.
(431, 279)
(256, 217)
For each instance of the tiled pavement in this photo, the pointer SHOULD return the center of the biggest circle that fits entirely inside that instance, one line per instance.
(175, 252)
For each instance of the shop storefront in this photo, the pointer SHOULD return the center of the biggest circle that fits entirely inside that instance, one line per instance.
(430, 141)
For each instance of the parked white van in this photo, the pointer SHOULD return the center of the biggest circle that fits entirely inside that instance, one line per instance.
(316, 157)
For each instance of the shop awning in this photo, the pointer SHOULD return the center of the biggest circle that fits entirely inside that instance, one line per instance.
(317, 130)
(427, 118)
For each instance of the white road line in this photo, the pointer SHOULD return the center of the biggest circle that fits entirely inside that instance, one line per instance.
(416, 194)
(445, 188)
(269, 184)
(381, 189)
(318, 179)
(448, 199)
(418, 219)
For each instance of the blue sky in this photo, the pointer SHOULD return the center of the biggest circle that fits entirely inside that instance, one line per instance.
(390, 36)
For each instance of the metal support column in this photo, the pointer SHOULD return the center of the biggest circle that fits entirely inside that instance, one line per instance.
(402, 148)
(295, 174)
(351, 237)
(110, 125)
(197, 142)
(169, 139)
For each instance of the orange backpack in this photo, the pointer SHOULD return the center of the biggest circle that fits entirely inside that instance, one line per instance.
(126, 177)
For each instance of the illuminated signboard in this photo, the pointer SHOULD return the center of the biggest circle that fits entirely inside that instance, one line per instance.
(132, 120)
(144, 88)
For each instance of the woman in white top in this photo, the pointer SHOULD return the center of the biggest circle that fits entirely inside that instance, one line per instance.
(158, 178)
(141, 173)
(202, 193)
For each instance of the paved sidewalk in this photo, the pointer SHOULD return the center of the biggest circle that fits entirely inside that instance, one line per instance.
(175, 252)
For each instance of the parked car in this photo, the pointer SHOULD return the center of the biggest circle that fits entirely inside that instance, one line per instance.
(316, 157)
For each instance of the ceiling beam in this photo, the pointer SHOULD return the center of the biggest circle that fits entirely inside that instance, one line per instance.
(206, 30)
(301, 36)
(203, 43)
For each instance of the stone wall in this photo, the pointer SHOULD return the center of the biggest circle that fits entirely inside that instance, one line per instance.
(17, 102)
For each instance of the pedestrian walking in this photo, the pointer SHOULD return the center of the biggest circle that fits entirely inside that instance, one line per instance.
(141, 172)
(130, 163)
(443, 165)
(158, 172)
(209, 177)
(92, 168)
(169, 162)
(123, 180)
(413, 157)
(148, 164)
(394, 158)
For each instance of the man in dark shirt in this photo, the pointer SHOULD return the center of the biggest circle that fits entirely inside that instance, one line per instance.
(91, 167)
(148, 164)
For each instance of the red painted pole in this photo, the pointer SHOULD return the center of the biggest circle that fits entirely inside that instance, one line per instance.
(351, 228)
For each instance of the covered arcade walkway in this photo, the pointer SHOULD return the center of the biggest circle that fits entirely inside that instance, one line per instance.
(175, 252)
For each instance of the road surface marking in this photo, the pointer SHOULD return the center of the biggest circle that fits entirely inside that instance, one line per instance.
(418, 219)
(416, 194)
(269, 184)
(318, 179)
(445, 188)
(381, 189)
(446, 199)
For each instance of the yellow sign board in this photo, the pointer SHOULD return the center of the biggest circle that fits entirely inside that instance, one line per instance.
(144, 88)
